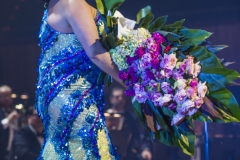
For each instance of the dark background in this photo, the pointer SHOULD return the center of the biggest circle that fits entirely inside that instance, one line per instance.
(19, 52)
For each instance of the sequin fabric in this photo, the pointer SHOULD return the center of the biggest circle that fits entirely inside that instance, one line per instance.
(68, 99)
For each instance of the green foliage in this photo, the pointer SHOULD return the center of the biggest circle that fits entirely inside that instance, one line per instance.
(157, 24)
(104, 6)
(143, 13)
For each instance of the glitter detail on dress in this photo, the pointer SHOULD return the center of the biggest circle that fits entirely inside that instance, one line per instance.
(69, 100)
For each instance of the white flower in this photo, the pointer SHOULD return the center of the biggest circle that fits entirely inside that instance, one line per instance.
(197, 69)
(165, 99)
(180, 84)
(202, 89)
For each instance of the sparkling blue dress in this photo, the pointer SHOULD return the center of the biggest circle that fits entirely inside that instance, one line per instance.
(69, 100)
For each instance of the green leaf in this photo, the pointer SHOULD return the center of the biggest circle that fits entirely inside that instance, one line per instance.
(138, 110)
(199, 116)
(113, 5)
(109, 80)
(101, 77)
(158, 23)
(193, 37)
(217, 78)
(146, 20)
(173, 27)
(226, 117)
(143, 13)
(226, 98)
(215, 48)
(111, 41)
(101, 7)
(173, 37)
(206, 58)
(158, 115)
(181, 136)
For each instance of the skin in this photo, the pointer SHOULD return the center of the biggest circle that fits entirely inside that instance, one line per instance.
(77, 16)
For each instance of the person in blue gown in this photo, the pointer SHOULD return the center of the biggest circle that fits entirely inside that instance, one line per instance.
(68, 98)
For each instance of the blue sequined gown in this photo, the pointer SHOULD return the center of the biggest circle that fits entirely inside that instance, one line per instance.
(69, 100)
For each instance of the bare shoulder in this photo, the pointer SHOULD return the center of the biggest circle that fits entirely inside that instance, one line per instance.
(76, 7)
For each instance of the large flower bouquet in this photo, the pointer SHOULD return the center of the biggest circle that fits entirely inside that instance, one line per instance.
(172, 74)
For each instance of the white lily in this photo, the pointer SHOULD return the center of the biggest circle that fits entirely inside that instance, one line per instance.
(124, 24)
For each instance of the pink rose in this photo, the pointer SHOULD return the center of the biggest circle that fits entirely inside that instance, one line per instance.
(180, 84)
(180, 96)
(189, 65)
(202, 89)
(167, 49)
(198, 102)
(168, 61)
(191, 92)
(178, 118)
(197, 69)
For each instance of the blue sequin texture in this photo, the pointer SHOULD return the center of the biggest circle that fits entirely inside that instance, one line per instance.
(68, 98)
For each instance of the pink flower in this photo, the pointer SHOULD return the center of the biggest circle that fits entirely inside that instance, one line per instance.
(167, 49)
(191, 92)
(180, 96)
(169, 61)
(180, 84)
(164, 100)
(166, 87)
(202, 89)
(197, 69)
(158, 37)
(189, 65)
(139, 52)
(123, 75)
(178, 118)
(198, 102)
(194, 82)
(141, 97)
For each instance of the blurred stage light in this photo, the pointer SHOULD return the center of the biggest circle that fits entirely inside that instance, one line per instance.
(19, 106)
(14, 95)
(24, 96)
(116, 115)
(106, 114)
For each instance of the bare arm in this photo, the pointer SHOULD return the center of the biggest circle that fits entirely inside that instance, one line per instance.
(79, 16)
